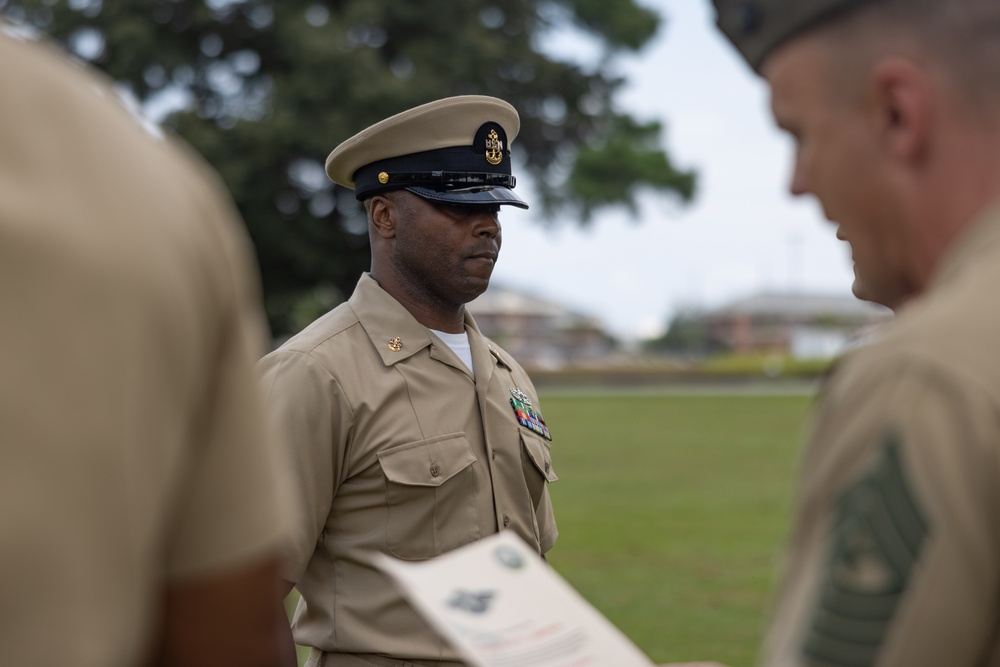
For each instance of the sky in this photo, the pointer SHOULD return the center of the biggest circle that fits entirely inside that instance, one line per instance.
(742, 234)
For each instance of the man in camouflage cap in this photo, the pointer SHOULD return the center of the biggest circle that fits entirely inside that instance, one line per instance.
(413, 434)
(894, 105)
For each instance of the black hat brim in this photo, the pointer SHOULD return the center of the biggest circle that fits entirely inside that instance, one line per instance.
(477, 196)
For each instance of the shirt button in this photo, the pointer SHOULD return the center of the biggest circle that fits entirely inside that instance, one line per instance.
(546, 466)
(506, 520)
(493, 454)
(435, 470)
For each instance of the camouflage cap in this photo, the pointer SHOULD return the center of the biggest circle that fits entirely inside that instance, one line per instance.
(756, 27)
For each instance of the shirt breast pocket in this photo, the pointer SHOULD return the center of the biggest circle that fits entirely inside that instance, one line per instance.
(536, 459)
(430, 492)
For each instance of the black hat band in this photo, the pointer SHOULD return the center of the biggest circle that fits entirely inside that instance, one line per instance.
(446, 180)
(461, 167)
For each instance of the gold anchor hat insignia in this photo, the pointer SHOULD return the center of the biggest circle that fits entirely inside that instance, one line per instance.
(494, 148)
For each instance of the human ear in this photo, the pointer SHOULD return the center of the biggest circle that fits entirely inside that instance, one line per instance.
(382, 214)
(903, 103)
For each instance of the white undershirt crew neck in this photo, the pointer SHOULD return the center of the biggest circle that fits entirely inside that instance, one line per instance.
(459, 344)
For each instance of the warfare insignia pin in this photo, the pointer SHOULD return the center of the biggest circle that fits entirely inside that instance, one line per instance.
(520, 395)
(494, 148)
(396, 344)
(526, 416)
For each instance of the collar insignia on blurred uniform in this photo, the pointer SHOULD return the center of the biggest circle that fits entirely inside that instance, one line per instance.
(494, 148)
(526, 416)
(396, 344)
(19, 31)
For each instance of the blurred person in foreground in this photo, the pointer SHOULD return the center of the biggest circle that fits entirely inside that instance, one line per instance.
(141, 503)
(413, 434)
(894, 105)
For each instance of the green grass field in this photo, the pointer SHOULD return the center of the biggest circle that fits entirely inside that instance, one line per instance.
(672, 511)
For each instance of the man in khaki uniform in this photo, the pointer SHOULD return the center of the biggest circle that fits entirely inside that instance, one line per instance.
(413, 433)
(141, 508)
(894, 106)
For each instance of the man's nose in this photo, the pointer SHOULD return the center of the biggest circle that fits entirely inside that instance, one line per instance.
(486, 222)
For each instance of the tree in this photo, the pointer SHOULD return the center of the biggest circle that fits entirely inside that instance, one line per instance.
(688, 334)
(269, 87)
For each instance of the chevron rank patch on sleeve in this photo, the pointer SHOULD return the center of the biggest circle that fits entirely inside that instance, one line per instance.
(877, 540)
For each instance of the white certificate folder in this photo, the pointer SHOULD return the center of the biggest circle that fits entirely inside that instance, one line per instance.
(501, 605)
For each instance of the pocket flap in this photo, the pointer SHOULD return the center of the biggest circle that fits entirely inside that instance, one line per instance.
(540, 454)
(429, 462)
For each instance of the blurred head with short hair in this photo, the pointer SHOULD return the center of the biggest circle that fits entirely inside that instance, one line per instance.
(893, 106)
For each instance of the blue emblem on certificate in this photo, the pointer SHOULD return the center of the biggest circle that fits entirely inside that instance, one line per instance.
(527, 417)
(474, 602)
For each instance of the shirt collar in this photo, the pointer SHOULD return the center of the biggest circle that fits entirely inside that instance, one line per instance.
(981, 236)
(394, 332)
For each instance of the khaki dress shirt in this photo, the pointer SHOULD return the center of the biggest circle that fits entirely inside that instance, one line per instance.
(133, 453)
(399, 450)
(894, 559)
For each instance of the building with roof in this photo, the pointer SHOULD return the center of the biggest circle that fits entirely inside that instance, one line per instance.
(537, 332)
(800, 324)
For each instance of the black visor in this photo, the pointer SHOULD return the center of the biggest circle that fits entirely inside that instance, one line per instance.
(475, 196)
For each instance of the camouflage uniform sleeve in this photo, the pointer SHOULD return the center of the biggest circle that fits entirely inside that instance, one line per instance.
(895, 550)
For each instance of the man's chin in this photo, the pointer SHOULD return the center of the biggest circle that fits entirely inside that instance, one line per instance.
(861, 290)
(892, 302)
(858, 289)
(474, 286)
